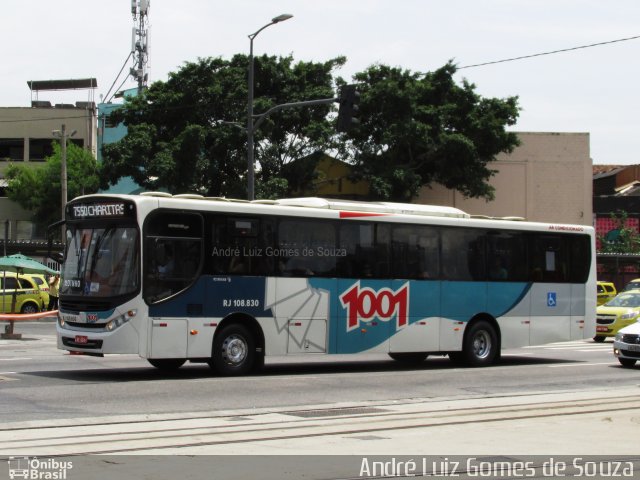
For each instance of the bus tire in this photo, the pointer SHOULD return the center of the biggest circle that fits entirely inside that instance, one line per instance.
(480, 346)
(234, 350)
(627, 362)
(598, 339)
(409, 358)
(166, 363)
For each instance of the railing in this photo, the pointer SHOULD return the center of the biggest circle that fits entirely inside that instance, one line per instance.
(11, 318)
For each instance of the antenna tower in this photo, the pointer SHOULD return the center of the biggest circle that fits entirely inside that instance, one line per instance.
(140, 42)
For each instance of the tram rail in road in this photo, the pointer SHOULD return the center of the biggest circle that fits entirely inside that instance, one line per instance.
(559, 423)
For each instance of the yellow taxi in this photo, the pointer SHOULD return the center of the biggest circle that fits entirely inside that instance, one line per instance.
(19, 294)
(40, 280)
(617, 313)
(606, 291)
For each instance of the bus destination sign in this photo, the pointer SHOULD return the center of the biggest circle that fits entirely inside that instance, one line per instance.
(100, 210)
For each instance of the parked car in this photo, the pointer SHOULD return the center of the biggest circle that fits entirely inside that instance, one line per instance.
(626, 346)
(19, 294)
(617, 313)
(606, 291)
(632, 285)
(42, 283)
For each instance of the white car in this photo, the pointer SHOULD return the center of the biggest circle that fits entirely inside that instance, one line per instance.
(626, 345)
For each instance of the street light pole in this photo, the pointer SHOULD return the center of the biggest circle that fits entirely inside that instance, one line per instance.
(250, 127)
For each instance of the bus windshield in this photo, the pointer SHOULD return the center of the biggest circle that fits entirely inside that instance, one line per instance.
(101, 262)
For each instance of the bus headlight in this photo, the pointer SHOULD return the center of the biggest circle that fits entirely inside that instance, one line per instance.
(121, 320)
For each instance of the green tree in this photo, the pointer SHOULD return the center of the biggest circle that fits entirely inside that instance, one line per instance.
(417, 129)
(38, 189)
(188, 134)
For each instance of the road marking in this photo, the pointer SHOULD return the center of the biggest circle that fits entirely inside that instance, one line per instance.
(14, 359)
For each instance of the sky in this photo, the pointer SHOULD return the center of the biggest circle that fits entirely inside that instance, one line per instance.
(593, 90)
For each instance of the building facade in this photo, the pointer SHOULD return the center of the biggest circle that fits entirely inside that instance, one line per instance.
(548, 178)
(26, 138)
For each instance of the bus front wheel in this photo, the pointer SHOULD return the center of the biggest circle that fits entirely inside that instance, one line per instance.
(234, 350)
(480, 347)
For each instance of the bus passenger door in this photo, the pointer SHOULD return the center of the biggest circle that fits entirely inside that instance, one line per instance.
(168, 337)
(550, 313)
(420, 330)
(301, 312)
(580, 321)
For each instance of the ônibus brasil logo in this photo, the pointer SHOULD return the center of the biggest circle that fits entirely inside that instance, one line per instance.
(365, 304)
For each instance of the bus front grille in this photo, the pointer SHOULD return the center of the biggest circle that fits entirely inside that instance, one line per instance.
(86, 305)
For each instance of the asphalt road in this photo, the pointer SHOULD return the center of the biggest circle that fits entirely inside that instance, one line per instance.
(569, 399)
(39, 382)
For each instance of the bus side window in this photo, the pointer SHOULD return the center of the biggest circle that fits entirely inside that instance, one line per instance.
(173, 253)
(463, 254)
(550, 259)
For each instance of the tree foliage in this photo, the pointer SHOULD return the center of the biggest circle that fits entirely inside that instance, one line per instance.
(622, 238)
(188, 133)
(417, 129)
(38, 189)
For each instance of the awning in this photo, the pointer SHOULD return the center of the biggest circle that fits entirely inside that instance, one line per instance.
(70, 84)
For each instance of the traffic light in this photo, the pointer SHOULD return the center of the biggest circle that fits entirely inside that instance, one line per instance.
(349, 99)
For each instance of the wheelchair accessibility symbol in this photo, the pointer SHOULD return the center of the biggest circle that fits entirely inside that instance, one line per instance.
(551, 299)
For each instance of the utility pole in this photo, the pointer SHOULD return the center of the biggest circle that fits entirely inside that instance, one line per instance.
(62, 135)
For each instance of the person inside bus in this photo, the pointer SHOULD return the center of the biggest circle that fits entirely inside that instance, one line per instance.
(165, 261)
(497, 270)
(238, 265)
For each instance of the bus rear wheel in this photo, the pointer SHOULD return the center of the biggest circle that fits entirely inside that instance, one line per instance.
(234, 350)
(409, 358)
(598, 338)
(167, 363)
(480, 346)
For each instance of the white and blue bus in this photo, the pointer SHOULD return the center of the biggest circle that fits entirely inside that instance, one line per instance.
(187, 278)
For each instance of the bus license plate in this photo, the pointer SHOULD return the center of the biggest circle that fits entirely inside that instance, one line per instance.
(602, 329)
(82, 339)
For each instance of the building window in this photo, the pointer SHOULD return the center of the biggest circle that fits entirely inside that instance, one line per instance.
(40, 149)
(109, 123)
(11, 149)
(24, 230)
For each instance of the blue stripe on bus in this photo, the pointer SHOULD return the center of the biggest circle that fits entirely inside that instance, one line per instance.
(217, 297)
